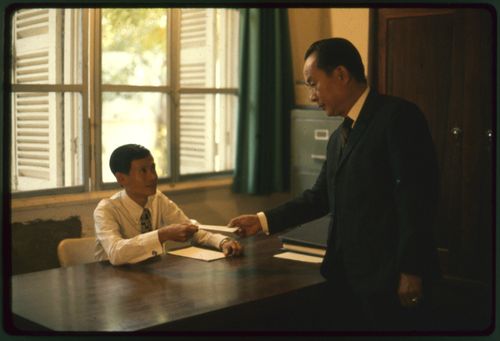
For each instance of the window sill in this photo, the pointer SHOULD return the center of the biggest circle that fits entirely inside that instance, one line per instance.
(78, 198)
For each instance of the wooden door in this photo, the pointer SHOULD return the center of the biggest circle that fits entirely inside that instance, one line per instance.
(441, 59)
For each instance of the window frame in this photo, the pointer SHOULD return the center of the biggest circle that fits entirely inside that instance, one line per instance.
(91, 90)
(81, 89)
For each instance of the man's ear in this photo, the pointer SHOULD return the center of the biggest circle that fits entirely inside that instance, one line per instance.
(121, 178)
(342, 73)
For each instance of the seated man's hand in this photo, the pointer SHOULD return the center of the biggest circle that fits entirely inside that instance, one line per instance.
(248, 225)
(177, 232)
(231, 247)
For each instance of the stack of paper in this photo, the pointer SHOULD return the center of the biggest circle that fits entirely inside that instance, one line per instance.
(299, 257)
(307, 240)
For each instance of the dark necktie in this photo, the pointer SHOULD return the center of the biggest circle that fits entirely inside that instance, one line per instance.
(146, 224)
(345, 129)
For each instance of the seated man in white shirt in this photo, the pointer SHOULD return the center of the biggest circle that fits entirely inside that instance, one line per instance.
(134, 223)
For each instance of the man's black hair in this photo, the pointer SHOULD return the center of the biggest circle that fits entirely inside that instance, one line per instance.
(122, 157)
(333, 52)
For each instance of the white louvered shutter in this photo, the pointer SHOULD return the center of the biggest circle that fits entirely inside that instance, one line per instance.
(37, 128)
(197, 66)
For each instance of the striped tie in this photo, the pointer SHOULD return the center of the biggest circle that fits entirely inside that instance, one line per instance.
(146, 225)
(345, 129)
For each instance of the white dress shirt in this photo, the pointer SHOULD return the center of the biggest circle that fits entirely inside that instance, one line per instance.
(353, 114)
(118, 228)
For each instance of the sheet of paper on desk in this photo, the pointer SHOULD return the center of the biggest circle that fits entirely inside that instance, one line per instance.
(198, 253)
(299, 257)
(218, 228)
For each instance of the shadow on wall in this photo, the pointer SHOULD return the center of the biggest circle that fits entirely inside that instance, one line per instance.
(34, 243)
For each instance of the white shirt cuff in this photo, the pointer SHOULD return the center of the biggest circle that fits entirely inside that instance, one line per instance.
(263, 222)
(152, 242)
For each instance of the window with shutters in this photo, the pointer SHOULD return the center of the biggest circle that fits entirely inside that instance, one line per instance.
(46, 121)
(85, 81)
(207, 89)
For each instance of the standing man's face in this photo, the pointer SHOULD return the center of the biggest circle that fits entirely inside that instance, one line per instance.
(327, 90)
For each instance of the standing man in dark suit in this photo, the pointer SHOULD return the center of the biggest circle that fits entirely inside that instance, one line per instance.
(379, 183)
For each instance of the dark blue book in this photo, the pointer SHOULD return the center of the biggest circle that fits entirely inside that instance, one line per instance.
(310, 238)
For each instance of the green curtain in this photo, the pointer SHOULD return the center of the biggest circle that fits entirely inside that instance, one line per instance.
(266, 99)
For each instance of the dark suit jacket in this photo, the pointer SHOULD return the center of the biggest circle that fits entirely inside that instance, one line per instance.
(381, 194)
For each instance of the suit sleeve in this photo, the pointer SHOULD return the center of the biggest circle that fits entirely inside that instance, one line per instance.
(415, 174)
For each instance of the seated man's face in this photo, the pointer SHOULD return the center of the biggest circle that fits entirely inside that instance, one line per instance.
(142, 179)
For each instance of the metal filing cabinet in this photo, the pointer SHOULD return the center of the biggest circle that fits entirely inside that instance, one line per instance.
(311, 130)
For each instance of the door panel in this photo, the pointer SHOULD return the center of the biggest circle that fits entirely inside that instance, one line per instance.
(441, 59)
(477, 167)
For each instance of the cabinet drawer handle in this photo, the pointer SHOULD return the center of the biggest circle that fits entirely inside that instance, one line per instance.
(318, 157)
(321, 134)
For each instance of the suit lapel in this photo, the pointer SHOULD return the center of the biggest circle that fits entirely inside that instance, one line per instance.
(333, 153)
(357, 132)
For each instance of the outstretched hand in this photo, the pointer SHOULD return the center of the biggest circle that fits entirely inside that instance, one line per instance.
(177, 232)
(248, 225)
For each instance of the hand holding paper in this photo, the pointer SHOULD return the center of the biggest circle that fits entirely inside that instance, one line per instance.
(176, 232)
(247, 225)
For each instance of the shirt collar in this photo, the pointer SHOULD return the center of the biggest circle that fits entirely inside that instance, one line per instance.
(356, 108)
(134, 208)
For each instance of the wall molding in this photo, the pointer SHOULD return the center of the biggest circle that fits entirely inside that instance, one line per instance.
(48, 201)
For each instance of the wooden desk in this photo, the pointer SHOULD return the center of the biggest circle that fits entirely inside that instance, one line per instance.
(253, 292)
